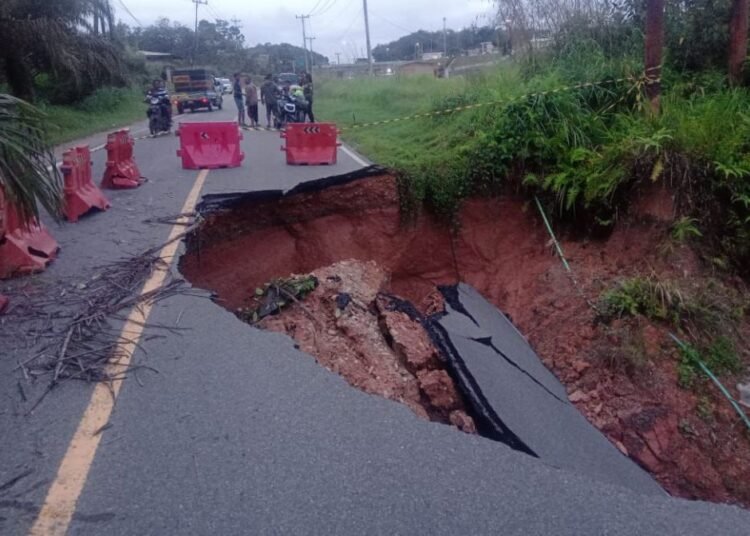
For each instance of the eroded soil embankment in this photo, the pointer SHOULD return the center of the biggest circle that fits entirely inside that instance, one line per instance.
(503, 251)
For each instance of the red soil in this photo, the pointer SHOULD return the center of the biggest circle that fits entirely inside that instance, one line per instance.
(375, 348)
(502, 250)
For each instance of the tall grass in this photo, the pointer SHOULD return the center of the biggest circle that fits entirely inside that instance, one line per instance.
(105, 109)
(580, 150)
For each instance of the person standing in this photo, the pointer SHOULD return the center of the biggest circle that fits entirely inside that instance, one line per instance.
(307, 88)
(251, 98)
(268, 97)
(239, 100)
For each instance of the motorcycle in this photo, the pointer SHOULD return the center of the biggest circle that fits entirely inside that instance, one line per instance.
(289, 109)
(159, 113)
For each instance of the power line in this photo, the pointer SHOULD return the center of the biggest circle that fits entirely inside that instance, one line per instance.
(394, 24)
(304, 38)
(326, 7)
(197, 4)
(122, 4)
(214, 14)
(336, 17)
(314, 7)
(349, 27)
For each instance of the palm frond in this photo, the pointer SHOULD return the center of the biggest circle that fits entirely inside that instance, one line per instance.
(28, 173)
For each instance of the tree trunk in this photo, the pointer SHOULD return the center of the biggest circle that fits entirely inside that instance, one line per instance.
(18, 76)
(737, 40)
(654, 45)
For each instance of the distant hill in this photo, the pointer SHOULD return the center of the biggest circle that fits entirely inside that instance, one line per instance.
(272, 58)
(407, 47)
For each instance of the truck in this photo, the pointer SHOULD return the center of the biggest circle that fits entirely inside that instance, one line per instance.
(195, 89)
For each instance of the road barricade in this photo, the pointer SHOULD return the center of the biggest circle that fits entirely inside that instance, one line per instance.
(25, 244)
(81, 194)
(310, 144)
(121, 171)
(210, 145)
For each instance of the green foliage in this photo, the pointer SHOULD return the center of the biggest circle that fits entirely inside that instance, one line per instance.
(105, 109)
(656, 300)
(705, 409)
(579, 150)
(409, 46)
(687, 367)
(684, 228)
(277, 295)
(67, 39)
(25, 157)
(719, 356)
(220, 45)
(705, 307)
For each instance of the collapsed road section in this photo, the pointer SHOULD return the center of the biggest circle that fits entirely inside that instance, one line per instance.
(331, 261)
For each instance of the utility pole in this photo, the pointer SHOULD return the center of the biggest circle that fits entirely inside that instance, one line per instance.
(304, 38)
(312, 55)
(338, 58)
(367, 35)
(737, 40)
(654, 42)
(195, 50)
(445, 39)
(237, 23)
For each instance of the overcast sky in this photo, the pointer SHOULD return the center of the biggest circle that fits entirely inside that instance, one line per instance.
(337, 25)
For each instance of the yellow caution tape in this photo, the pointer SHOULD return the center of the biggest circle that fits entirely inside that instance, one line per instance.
(498, 102)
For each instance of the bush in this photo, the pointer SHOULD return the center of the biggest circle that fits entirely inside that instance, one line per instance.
(105, 99)
(720, 357)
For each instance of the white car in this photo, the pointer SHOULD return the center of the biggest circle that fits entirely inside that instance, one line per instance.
(226, 85)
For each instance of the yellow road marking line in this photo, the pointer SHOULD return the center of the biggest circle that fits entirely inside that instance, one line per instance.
(60, 503)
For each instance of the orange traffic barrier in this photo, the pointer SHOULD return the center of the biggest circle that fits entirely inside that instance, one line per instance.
(210, 145)
(310, 144)
(81, 194)
(121, 171)
(25, 244)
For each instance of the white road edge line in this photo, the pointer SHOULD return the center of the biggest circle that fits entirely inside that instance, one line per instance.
(354, 156)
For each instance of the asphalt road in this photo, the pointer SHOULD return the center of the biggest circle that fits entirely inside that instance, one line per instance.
(239, 433)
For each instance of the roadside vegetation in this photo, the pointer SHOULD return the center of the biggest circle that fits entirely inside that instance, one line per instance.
(580, 150)
(105, 109)
(584, 151)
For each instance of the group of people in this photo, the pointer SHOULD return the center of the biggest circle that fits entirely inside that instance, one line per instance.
(247, 97)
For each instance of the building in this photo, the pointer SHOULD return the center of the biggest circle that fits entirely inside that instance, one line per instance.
(155, 56)
(416, 68)
(430, 56)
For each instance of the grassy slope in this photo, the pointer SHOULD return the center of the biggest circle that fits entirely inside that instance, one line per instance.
(105, 110)
(348, 102)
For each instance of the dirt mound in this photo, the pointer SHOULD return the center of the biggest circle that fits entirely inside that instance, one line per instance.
(354, 330)
(692, 442)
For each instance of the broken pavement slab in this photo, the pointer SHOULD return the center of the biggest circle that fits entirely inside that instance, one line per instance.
(504, 377)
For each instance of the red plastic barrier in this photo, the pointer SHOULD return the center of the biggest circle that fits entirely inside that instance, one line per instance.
(81, 194)
(121, 171)
(210, 145)
(25, 245)
(310, 144)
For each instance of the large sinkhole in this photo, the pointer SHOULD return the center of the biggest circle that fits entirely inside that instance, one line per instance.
(409, 308)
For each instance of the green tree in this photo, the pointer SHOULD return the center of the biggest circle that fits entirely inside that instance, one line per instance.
(70, 40)
(27, 171)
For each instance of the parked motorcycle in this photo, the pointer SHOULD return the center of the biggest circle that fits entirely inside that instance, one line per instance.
(289, 109)
(159, 113)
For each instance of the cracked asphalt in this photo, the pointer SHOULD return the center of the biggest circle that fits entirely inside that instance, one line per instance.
(239, 433)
